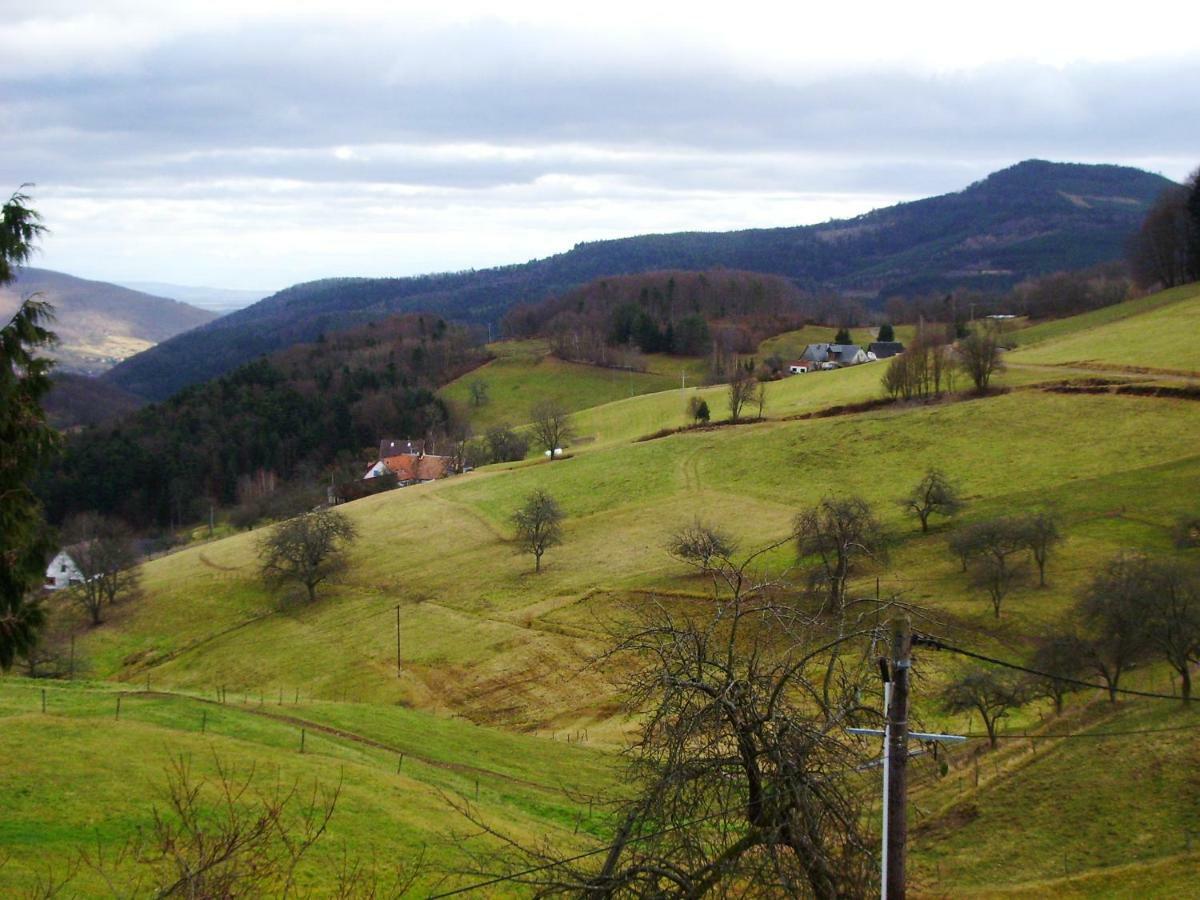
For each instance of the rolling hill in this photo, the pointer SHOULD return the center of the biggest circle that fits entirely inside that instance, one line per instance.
(100, 324)
(1031, 218)
(494, 675)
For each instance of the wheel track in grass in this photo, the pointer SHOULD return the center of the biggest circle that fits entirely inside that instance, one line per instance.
(347, 735)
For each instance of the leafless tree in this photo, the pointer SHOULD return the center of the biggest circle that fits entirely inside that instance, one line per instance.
(103, 551)
(741, 777)
(701, 544)
(995, 544)
(934, 494)
(228, 836)
(1061, 654)
(1161, 252)
(979, 355)
(308, 549)
(1042, 534)
(989, 693)
(741, 392)
(1114, 609)
(539, 525)
(1172, 601)
(551, 423)
(838, 533)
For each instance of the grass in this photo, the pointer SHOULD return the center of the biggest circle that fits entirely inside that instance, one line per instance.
(495, 672)
(1156, 332)
(95, 778)
(519, 379)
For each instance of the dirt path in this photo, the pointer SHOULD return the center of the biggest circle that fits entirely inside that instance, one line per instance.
(354, 737)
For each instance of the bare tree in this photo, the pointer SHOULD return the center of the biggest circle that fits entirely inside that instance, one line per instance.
(1114, 609)
(103, 551)
(997, 574)
(934, 494)
(308, 549)
(1161, 251)
(226, 836)
(551, 423)
(986, 692)
(740, 777)
(702, 545)
(539, 525)
(741, 392)
(979, 355)
(837, 533)
(990, 547)
(1172, 601)
(1041, 533)
(1060, 654)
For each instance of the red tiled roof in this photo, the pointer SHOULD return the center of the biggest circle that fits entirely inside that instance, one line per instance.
(410, 467)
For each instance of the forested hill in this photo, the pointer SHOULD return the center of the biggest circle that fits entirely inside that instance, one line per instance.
(1031, 218)
(289, 416)
(99, 324)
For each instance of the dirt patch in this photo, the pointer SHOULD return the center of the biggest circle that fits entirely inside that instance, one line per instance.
(947, 823)
(1124, 387)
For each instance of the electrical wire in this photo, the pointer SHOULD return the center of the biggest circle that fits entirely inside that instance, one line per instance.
(924, 640)
(1087, 734)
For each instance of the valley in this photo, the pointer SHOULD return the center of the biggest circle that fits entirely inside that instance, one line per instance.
(441, 647)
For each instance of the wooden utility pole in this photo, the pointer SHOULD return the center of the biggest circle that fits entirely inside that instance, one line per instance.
(897, 751)
(397, 640)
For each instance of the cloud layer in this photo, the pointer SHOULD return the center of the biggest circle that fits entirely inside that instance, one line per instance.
(258, 148)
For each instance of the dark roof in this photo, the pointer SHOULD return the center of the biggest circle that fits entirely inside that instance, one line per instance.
(396, 447)
(884, 349)
(844, 352)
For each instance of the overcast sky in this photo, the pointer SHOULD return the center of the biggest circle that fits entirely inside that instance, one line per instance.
(255, 145)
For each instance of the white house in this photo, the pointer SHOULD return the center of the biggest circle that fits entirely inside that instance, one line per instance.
(62, 572)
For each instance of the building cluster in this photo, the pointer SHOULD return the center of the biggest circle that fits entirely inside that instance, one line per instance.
(823, 357)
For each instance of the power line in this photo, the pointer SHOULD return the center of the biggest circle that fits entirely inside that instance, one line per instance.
(935, 644)
(1088, 734)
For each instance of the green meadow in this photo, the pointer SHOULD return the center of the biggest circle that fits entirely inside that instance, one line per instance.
(494, 680)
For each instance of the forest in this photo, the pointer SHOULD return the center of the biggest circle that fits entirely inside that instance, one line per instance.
(293, 416)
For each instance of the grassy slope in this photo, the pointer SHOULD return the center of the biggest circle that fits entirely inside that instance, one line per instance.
(94, 777)
(523, 374)
(1156, 332)
(482, 637)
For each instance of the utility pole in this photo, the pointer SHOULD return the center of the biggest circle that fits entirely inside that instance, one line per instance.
(897, 767)
(683, 379)
(894, 761)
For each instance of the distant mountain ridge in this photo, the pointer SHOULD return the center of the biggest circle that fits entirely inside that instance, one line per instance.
(218, 300)
(1031, 218)
(99, 324)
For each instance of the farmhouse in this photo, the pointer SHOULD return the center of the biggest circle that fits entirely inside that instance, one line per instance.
(884, 349)
(62, 572)
(409, 463)
(838, 354)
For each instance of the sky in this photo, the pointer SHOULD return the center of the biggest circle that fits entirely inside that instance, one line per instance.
(256, 145)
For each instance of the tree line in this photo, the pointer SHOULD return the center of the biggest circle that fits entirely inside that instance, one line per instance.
(298, 416)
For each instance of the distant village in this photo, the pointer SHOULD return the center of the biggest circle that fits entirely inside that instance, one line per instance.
(823, 357)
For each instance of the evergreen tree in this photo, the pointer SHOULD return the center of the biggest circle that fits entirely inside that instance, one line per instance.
(27, 441)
